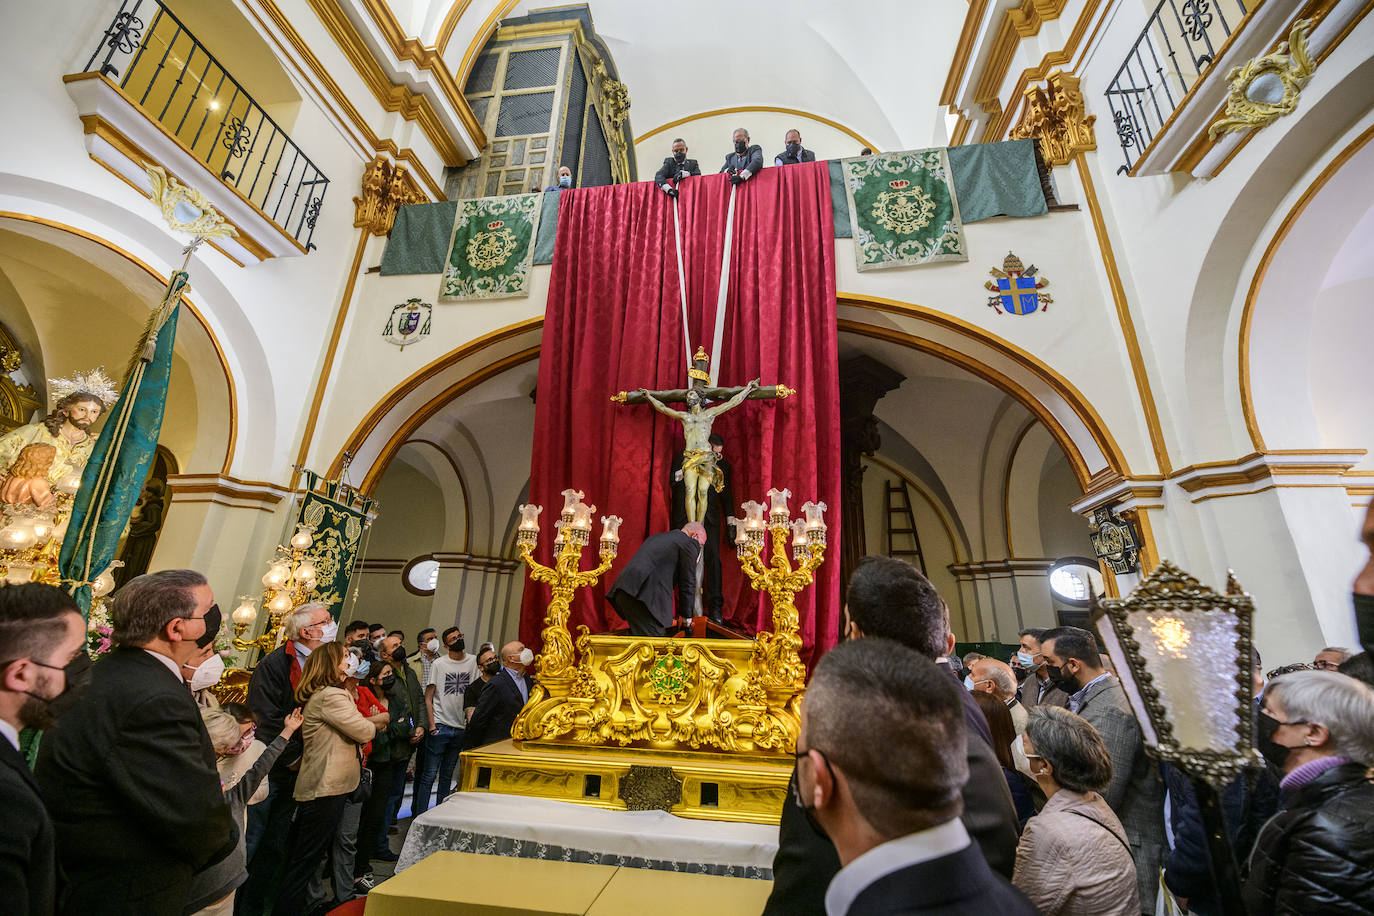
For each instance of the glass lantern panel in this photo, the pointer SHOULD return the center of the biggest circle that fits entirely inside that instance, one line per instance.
(1191, 656)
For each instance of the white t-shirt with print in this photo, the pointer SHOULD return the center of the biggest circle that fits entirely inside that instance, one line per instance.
(449, 679)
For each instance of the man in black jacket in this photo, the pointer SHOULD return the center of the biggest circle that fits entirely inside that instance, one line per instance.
(891, 599)
(643, 592)
(880, 764)
(793, 152)
(128, 774)
(675, 168)
(718, 508)
(502, 698)
(43, 668)
(746, 161)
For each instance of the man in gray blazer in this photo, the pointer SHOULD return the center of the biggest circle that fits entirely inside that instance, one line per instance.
(1136, 792)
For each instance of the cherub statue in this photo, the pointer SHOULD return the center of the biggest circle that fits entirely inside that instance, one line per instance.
(26, 481)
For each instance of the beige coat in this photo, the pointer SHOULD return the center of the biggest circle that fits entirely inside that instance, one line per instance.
(1073, 859)
(332, 731)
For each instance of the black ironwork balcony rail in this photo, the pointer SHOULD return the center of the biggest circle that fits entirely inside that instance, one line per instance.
(162, 67)
(1175, 50)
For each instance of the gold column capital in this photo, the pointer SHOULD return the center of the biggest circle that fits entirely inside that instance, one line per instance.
(386, 187)
(1055, 116)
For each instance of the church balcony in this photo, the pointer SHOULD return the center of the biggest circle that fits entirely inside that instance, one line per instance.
(1179, 80)
(153, 94)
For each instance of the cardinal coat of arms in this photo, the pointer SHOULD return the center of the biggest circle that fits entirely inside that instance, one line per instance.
(408, 323)
(1017, 287)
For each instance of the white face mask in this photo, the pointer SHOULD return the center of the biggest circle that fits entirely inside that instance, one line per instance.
(1018, 756)
(350, 665)
(207, 673)
(526, 656)
(432, 647)
(329, 631)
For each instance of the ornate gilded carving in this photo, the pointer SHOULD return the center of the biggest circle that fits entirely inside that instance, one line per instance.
(386, 187)
(17, 401)
(1269, 87)
(1055, 116)
(650, 788)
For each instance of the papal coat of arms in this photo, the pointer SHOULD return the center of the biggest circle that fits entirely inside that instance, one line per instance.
(1017, 288)
(409, 322)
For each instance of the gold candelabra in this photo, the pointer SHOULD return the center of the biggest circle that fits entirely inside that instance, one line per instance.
(289, 580)
(574, 526)
(781, 667)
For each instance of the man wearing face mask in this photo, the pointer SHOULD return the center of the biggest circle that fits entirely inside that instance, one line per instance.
(449, 678)
(272, 696)
(128, 773)
(502, 699)
(564, 181)
(202, 672)
(746, 161)
(487, 666)
(675, 168)
(43, 669)
(1029, 667)
(1135, 793)
(793, 152)
(407, 683)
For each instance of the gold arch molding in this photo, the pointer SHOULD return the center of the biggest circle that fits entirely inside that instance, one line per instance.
(1247, 398)
(185, 299)
(1079, 404)
(744, 109)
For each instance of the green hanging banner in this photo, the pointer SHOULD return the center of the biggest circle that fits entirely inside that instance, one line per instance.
(339, 515)
(904, 209)
(491, 249)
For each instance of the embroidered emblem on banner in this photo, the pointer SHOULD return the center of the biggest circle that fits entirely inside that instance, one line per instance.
(904, 209)
(1114, 541)
(491, 249)
(408, 323)
(1017, 287)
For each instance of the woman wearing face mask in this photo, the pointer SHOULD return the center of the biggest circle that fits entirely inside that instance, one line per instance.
(212, 890)
(1073, 858)
(202, 673)
(391, 748)
(344, 855)
(333, 731)
(1317, 854)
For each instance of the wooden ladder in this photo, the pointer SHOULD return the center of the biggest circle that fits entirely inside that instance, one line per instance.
(902, 509)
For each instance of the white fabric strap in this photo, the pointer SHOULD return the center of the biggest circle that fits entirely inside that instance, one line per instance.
(682, 285)
(724, 288)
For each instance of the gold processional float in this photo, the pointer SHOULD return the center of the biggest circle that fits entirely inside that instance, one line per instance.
(702, 728)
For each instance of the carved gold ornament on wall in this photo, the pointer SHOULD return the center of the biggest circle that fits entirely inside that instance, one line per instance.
(386, 188)
(1269, 87)
(1055, 116)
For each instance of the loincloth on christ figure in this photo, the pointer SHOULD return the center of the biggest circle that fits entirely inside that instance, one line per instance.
(703, 461)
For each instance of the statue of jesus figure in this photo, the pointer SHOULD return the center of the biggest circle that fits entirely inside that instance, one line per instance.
(699, 470)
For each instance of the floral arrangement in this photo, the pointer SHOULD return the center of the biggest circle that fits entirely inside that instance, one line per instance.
(99, 628)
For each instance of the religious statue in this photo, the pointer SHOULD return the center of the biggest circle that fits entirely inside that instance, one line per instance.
(699, 469)
(30, 473)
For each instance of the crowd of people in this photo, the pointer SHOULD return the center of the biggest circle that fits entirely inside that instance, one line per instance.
(924, 782)
(149, 796)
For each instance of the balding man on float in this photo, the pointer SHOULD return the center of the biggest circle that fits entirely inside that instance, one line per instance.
(643, 592)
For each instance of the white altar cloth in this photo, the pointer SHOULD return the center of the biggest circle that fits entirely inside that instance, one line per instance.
(536, 828)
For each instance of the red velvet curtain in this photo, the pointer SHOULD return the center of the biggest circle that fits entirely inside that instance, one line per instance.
(614, 322)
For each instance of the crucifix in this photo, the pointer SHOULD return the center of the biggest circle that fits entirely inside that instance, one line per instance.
(699, 469)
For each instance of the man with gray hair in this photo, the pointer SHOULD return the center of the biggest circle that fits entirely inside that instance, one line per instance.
(745, 161)
(880, 767)
(128, 773)
(1331, 658)
(996, 677)
(272, 696)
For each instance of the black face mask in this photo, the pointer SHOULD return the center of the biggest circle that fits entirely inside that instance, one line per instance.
(399, 655)
(1058, 678)
(42, 711)
(808, 811)
(492, 667)
(740, 146)
(793, 149)
(1275, 753)
(1021, 673)
(458, 645)
(212, 620)
(680, 157)
(388, 682)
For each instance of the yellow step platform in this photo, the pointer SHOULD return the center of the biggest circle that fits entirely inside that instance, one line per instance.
(466, 884)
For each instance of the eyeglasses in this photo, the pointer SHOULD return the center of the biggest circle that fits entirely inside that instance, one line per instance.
(1324, 665)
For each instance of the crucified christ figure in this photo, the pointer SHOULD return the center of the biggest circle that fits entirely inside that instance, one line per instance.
(699, 469)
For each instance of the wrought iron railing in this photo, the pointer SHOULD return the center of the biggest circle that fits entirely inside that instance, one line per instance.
(162, 67)
(1180, 42)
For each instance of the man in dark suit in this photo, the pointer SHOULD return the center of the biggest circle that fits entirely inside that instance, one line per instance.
(1029, 664)
(746, 161)
(880, 763)
(793, 151)
(43, 668)
(128, 774)
(891, 599)
(718, 507)
(675, 168)
(1136, 792)
(502, 698)
(643, 592)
